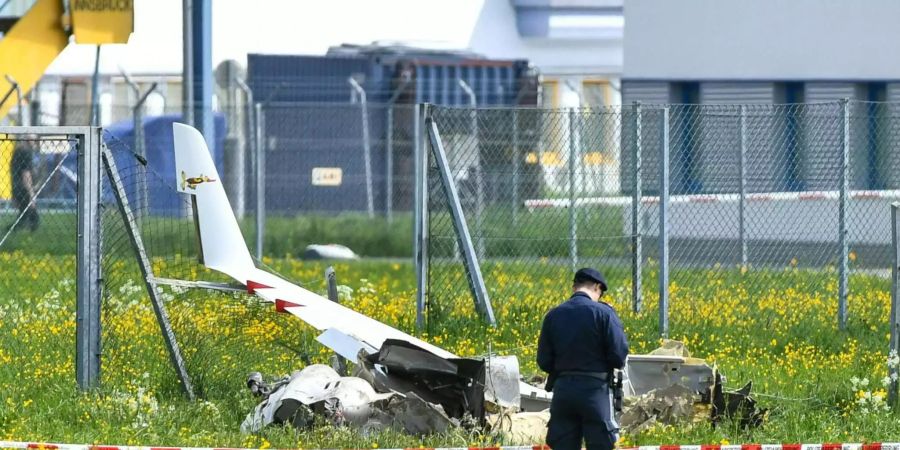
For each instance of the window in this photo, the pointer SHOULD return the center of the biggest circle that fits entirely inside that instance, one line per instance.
(550, 93)
(595, 93)
(875, 136)
(792, 93)
(684, 132)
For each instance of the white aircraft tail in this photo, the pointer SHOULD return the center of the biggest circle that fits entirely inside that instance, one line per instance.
(222, 244)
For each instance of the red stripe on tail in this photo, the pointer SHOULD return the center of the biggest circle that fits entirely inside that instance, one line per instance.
(280, 306)
(252, 286)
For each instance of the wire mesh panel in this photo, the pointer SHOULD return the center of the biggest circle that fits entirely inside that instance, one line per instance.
(210, 326)
(38, 191)
(756, 195)
(518, 171)
(338, 157)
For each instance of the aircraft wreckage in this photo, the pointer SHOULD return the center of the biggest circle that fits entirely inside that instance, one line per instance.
(402, 381)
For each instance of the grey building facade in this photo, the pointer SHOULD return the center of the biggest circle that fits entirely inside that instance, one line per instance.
(769, 52)
(750, 50)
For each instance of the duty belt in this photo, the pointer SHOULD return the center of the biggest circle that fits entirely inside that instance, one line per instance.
(603, 376)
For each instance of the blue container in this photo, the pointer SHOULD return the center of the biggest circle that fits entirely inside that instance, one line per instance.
(433, 77)
(310, 121)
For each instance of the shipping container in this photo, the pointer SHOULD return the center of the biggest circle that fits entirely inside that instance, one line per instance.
(313, 117)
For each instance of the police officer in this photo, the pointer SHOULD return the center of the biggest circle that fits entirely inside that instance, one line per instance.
(581, 342)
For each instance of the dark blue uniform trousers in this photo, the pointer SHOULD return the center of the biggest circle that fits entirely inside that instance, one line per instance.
(582, 409)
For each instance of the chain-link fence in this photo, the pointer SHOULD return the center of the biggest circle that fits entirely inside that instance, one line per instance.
(753, 191)
(328, 169)
(38, 241)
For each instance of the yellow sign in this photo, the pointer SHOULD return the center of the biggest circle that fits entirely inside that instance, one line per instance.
(327, 176)
(102, 21)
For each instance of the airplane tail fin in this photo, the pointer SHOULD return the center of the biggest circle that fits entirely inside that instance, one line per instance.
(222, 245)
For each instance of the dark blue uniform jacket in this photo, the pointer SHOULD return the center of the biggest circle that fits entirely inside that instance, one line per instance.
(582, 335)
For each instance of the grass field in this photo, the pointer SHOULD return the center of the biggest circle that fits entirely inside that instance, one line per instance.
(782, 336)
(287, 236)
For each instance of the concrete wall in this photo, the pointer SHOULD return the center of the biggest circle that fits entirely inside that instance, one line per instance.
(762, 39)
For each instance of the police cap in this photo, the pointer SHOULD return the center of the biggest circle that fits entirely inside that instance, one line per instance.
(592, 275)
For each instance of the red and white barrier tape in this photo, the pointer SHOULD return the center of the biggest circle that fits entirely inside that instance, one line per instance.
(828, 446)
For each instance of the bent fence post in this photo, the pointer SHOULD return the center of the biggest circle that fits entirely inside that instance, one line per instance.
(470, 258)
(159, 308)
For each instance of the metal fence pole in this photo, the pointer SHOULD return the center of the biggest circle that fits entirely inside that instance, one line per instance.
(637, 220)
(479, 175)
(420, 209)
(249, 137)
(517, 163)
(842, 214)
(331, 279)
(742, 205)
(187, 77)
(260, 181)
(87, 311)
(367, 151)
(95, 91)
(664, 228)
(573, 211)
(389, 152)
(14, 87)
(894, 320)
(140, 146)
(389, 166)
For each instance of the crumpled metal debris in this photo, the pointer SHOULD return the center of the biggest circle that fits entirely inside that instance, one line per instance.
(316, 390)
(669, 386)
(401, 386)
(456, 384)
(736, 405)
(669, 364)
(523, 427)
(501, 389)
(670, 405)
(416, 416)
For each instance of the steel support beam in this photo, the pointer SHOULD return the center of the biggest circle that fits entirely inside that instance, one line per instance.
(894, 319)
(844, 269)
(637, 219)
(664, 227)
(201, 54)
(420, 210)
(88, 291)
